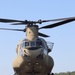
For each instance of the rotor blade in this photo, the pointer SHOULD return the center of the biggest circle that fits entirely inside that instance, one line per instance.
(41, 21)
(43, 35)
(17, 23)
(58, 23)
(59, 19)
(9, 20)
(12, 29)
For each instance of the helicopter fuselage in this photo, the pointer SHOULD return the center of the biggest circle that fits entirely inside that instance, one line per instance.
(32, 57)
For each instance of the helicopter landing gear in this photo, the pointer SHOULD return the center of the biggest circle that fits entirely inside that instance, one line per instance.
(51, 74)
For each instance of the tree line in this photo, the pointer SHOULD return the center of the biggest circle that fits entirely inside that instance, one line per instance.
(65, 73)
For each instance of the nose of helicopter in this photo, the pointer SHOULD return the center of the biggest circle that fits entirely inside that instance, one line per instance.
(33, 51)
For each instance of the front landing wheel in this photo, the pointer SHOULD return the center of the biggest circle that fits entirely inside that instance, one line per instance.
(51, 74)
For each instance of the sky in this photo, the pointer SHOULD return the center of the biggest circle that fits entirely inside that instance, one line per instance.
(63, 37)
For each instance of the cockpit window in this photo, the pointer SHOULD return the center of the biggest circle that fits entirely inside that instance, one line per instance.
(36, 43)
(32, 43)
(26, 44)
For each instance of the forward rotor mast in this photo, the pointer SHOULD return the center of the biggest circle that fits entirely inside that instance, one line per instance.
(32, 32)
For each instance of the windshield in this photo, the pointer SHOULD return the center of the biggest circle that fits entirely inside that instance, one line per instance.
(24, 44)
(36, 43)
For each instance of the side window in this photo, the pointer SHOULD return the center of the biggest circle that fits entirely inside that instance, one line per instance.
(38, 42)
(23, 45)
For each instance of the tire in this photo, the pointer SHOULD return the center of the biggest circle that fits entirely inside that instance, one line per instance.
(52, 73)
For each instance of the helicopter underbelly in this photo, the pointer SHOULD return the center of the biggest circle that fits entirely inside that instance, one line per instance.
(38, 66)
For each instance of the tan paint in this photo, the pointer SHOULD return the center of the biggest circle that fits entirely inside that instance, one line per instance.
(32, 32)
(24, 66)
(40, 66)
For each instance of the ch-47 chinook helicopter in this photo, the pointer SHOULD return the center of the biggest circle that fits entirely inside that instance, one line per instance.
(32, 51)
